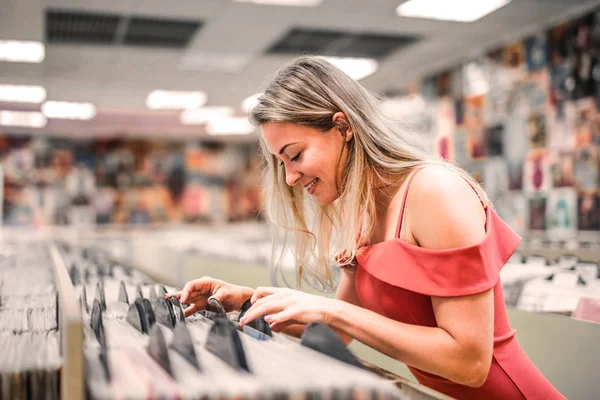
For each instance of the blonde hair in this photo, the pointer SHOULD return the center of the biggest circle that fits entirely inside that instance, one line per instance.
(309, 91)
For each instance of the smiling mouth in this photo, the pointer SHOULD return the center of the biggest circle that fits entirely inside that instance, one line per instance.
(310, 185)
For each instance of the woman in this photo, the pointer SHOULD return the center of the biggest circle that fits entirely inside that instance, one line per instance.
(417, 239)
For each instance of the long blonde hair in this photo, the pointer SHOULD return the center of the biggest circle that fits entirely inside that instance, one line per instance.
(309, 91)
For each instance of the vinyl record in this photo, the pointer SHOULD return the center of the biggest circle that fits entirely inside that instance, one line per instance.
(537, 172)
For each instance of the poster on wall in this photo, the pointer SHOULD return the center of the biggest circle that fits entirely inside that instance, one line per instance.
(585, 58)
(495, 140)
(495, 177)
(513, 209)
(563, 169)
(536, 52)
(515, 174)
(561, 214)
(537, 212)
(537, 175)
(561, 126)
(587, 130)
(536, 124)
(586, 167)
(588, 208)
(516, 141)
(500, 83)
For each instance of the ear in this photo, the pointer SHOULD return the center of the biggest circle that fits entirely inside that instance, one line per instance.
(341, 121)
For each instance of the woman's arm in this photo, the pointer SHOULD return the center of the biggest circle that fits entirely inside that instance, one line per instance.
(459, 349)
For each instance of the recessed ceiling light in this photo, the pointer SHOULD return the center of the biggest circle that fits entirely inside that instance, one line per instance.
(25, 119)
(22, 94)
(22, 51)
(175, 100)
(249, 102)
(66, 110)
(230, 126)
(297, 3)
(355, 68)
(215, 62)
(455, 10)
(203, 115)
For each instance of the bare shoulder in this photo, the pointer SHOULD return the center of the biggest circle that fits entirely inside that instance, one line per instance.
(444, 211)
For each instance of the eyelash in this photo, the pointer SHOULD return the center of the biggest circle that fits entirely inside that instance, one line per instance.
(297, 158)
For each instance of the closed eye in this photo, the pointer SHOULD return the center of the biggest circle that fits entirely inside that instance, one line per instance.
(297, 157)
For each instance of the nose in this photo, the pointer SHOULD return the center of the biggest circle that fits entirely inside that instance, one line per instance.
(291, 176)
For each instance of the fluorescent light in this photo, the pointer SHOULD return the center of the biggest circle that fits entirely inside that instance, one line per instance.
(25, 119)
(250, 102)
(230, 126)
(21, 51)
(22, 94)
(203, 115)
(175, 100)
(455, 10)
(215, 62)
(297, 3)
(355, 68)
(65, 110)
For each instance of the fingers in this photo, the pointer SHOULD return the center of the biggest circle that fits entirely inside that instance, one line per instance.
(193, 289)
(261, 292)
(266, 308)
(190, 310)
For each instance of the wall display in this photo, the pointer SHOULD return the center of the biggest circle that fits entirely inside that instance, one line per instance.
(536, 52)
(537, 175)
(513, 209)
(515, 174)
(586, 167)
(462, 155)
(58, 181)
(537, 212)
(516, 141)
(495, 177)
(495, 140)
(587, 130)
(584, 57)
(500, 82)
(527, 125)
(563, 169)
(588, 208)
(561, 124)
(536, 124)
(561, 214)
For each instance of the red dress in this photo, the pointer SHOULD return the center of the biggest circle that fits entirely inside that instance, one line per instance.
(397, 279)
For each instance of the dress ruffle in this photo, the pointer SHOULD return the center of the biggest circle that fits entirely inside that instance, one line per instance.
(443, 272)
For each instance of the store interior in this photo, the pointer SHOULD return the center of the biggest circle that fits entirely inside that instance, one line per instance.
(125, 143)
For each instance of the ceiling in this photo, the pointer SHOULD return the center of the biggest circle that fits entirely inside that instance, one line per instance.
(118, 77)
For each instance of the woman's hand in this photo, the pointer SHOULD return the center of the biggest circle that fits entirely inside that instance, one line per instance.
(284, 307)
(198, 291)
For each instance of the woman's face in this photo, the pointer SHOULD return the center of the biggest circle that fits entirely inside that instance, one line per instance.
(311, 158)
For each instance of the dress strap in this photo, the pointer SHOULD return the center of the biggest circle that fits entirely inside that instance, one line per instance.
(405, 195)
(399, 227)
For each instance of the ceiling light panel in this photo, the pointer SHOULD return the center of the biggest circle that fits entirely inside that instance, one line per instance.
(293, 3)
(175, 100)
(203, 115)
(230, 126)
(249, 102)
(66, 110)
(22, 94)
(24, 119)
(455, 10)
(22, 51)
(355, 68)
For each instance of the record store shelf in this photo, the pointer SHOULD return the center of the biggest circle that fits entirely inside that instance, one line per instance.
(109, 312)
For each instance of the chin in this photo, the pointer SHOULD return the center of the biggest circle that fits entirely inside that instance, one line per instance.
(326, 199)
